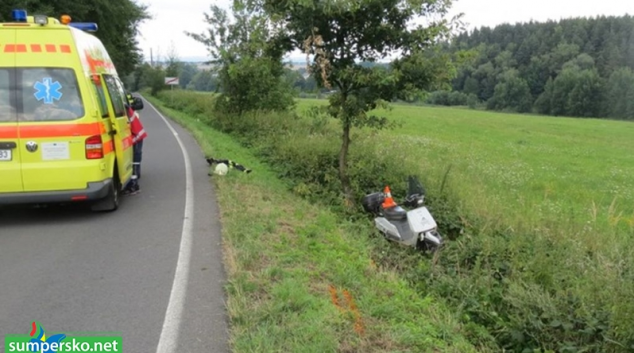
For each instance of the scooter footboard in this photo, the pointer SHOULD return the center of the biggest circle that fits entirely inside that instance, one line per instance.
(397, 230)
(387, 228)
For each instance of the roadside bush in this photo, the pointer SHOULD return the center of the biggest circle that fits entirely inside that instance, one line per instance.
(447, 98)
(472, 101)
(438, 98)
(458, 98)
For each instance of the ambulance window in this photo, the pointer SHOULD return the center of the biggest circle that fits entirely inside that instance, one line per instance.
(7, 113)
(49, 94)
(101, 97)
(116, 95)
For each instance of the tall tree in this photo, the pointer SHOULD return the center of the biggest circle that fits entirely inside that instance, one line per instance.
(585, 98)
(620, 94)
(246, 59)
(544, 104)
(204, 81)
(339, 34)
(486, 77)
(512, 93)
(187, 73)
(471, 86)
(118, 22)
(173, 68)
(537, 74)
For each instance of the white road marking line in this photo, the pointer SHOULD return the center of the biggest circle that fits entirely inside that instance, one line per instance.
(168, 341)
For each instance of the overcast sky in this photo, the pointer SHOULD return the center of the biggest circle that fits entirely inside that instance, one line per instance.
(173, 17)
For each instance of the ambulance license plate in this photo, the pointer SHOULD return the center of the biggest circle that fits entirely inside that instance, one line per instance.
(5, 155)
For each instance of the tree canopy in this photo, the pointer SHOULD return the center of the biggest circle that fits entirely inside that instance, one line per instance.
(340, 34)
(118, 22)
(246, 59)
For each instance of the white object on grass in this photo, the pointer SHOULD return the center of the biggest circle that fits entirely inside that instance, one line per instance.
(221, 169)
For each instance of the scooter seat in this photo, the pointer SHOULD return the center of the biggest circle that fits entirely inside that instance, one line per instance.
(396, 213)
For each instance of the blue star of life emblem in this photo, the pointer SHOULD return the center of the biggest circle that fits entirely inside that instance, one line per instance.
(47, 90)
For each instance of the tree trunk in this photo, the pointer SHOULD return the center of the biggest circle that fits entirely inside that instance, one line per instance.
(343, 163)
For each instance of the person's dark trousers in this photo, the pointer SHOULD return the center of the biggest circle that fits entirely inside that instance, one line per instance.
(137, 149)
(138, 156)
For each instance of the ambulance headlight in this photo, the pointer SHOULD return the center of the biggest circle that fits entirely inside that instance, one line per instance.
(19, 15)
(40, 19)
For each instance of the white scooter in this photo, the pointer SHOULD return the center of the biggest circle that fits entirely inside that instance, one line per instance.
(415, 227)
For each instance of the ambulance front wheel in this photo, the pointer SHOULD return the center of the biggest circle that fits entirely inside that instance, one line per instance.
(111, 201)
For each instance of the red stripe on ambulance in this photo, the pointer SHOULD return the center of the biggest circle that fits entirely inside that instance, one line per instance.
(57, 130)
(37, 48)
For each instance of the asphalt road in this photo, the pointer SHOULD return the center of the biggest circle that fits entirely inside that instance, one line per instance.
(77, 271)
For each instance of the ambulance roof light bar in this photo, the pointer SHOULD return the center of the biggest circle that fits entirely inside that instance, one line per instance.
(19, 15)
(85, 26)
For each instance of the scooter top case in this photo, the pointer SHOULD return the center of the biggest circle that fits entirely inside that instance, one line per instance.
(372, 202)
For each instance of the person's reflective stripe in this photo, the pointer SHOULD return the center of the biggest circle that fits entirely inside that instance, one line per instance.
(138, 136)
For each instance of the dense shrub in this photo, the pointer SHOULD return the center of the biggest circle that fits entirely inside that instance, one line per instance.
(454, 98)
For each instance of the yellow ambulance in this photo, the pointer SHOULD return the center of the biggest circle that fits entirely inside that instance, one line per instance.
(64, 130)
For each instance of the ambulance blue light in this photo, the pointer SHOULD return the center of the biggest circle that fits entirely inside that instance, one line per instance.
(19, 15)
(85, 26)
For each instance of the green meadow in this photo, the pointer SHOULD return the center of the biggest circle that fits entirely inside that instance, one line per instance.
(547, 212)
(527, 171)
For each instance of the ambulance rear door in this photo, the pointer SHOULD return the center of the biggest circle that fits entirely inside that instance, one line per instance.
(10, 162)
(55, 125)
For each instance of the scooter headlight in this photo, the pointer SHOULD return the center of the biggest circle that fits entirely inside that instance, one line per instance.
(432, 238)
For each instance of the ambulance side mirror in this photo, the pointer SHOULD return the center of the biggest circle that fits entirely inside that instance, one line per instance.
(137, 103)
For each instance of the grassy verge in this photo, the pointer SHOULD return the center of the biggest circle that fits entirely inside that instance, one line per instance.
(302, 280)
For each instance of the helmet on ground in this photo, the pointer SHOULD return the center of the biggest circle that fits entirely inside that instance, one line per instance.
(221, 169)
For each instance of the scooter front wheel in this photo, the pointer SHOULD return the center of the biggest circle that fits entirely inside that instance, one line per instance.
(431, 242)
(427, 246)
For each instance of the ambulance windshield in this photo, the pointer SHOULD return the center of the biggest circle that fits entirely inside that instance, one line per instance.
(49, 94)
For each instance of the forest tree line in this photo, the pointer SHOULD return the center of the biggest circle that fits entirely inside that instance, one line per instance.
(581, 67)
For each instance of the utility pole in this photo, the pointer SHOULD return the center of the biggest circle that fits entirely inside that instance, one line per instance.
(151, 58)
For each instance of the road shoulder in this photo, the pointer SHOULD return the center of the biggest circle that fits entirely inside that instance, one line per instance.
(203, 325)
